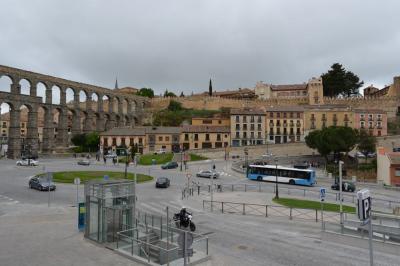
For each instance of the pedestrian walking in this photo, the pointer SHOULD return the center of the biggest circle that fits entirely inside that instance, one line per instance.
(105, 160)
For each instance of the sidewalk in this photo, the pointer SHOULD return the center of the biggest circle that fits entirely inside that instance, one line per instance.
(38, 235)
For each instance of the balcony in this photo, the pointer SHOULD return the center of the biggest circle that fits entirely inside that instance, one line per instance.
(271, 124)
(298, 124)
(379, 119)
(291, 124)
(362, 119)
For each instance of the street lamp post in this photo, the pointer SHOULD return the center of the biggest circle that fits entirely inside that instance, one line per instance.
(181, 158)
(276, 179)
(126, 163)
(340, 191)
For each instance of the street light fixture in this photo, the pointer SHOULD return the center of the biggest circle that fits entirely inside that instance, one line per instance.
(340, 191)
(276, 179)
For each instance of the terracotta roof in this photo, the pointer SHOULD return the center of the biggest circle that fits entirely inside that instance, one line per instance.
(124, 131)
(292, 108)
(247, 112)
(290, 87)
(375, 111)
(205, 129)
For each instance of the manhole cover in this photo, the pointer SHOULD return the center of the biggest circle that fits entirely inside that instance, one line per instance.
(242, 247)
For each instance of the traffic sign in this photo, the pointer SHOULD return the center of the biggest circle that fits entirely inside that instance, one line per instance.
(322, 193)
(106, 177)
(363, 204)
(77, 181)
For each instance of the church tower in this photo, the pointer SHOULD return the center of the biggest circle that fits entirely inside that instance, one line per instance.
(315, 91)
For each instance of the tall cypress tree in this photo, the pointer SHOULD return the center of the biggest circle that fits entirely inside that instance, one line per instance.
(210, 89)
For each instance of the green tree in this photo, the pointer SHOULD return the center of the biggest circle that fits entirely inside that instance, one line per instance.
(175, 106)
(92, 141)
(146, 92)
(79, 140)
(338, 81)
(182, 95)
(169, 94)
(367, 143)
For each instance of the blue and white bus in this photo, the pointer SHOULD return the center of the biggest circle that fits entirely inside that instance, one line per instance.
(293, 176)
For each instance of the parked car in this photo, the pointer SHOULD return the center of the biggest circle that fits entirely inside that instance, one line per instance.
(40, 183)
(111, 155)
(84, 162)
(160, 151)
(369, 155)
(207, 174)
(360, 155)
(27, 162)
(162, 182)
(169, 165)
(346, 186)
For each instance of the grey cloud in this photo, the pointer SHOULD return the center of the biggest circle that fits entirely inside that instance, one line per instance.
(180, 44)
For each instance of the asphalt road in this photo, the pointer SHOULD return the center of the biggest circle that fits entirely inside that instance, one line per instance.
(236, 239)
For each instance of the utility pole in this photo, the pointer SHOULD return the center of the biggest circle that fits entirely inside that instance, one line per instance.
(276, 179)
(212, 183)
(340, 191)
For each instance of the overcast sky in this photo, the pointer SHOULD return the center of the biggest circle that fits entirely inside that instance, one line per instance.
(179, 45)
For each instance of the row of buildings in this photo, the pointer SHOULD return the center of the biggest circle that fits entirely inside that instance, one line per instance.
(246, 127)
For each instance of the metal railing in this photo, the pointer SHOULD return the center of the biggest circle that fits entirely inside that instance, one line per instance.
(267, 210)
(161, 250)
(197, 189)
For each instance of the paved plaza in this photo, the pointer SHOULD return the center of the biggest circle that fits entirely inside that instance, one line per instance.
(39, 235)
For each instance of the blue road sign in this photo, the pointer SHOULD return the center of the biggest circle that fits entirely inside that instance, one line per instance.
(106, 177)
(322, 193)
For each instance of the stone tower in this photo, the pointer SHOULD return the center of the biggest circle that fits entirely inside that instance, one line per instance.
(315, 91)
(394, 89)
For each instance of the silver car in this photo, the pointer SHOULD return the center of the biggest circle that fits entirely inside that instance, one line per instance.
(27, 162)
(207, 174)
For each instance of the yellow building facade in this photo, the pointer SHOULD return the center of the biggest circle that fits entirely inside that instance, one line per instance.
(319, 117)
(195, 137)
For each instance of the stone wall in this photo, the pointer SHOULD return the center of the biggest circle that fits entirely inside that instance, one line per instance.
(386, 103)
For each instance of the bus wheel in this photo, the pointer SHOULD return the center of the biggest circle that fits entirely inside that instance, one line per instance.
(259, 178)
(291, 182)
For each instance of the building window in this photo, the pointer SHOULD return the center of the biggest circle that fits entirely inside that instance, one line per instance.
(362, 117)
(140, 141)
(291, 114)
(251, 126)
(244, 126)
(160, 138)
(130, 141)
(122, 141)
(370, 117)
(114, 141)
(4, 124)
(379, 117)
(259, 127)
(298, 115)
(252, 135)
(278, 123)
(284, 115)
(259, 135)
(244, 119)
(208, 121)
(346, 124)
(219, 122)
(237, 126)
(186, 137)
(166, 138)
(397, 172)
(237, 135)
(278, 115)
(207, 137)
(196, 137)
(22, 124)
(237, 119)
(252, 119)
(298, 138)
(271, 115)
(196, 145)
(218, 137)
(259, 119)
(362, 124)
(245, 135)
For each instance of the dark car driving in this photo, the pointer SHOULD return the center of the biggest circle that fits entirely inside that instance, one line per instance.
(346, 186)
(170, 165)
(162, 182)
(41, 183)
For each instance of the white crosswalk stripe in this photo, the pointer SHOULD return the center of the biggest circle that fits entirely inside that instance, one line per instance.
(160, 207)
(4, 200)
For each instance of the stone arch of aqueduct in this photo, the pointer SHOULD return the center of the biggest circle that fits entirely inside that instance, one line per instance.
(102, 109)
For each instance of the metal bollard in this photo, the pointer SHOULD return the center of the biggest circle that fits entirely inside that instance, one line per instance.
(244, 208)
(222, 207)
(198, 190)
(266, 210)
